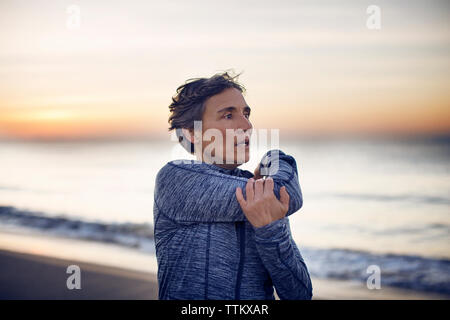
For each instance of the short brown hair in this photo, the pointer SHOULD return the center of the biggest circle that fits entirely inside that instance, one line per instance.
(189, 103)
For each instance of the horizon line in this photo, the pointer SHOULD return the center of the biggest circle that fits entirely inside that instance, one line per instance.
(289, 137)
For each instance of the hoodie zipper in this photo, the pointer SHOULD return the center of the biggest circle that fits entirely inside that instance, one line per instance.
(240, 230)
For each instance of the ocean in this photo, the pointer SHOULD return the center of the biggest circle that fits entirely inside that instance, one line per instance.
(382, 202)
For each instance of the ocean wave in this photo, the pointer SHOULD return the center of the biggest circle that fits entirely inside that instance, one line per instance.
(388, 197)
(402, 271)
(137, 235)
(423, 232)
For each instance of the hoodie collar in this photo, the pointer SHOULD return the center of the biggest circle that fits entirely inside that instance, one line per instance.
(232, 172)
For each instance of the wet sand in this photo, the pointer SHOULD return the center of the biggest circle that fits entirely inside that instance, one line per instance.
(26, 276)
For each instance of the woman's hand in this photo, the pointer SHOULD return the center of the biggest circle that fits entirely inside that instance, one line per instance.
(262, 206)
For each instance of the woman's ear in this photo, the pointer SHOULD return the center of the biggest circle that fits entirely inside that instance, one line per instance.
(188, 133)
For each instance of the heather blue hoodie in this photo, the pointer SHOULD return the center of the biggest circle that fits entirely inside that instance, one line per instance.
(207, 249)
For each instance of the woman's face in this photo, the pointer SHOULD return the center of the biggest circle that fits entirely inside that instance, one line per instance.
(226, 116)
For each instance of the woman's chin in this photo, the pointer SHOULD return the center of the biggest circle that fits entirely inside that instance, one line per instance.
(243, 159)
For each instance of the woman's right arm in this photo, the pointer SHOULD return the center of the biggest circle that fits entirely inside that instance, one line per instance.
(195, 193)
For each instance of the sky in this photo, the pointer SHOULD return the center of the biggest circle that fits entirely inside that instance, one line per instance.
(309, 67)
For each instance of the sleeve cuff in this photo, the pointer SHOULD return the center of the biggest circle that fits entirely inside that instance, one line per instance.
(271, 232)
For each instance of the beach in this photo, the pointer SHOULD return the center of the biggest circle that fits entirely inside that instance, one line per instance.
(94, 96)
(91, 204)
(29, 276)
(34, 276)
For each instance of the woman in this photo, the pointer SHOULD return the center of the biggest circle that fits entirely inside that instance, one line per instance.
(222, 232)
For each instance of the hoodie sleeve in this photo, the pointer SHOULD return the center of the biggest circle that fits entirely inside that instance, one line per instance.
(283, 261)
(193, 193)
(282, 168)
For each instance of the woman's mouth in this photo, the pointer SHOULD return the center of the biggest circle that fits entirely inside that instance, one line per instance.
(246, 142)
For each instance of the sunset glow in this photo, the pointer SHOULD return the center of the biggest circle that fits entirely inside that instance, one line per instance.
(309, 68)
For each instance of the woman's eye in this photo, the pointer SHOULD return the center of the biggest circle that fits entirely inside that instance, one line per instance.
(228, 116)
(247, 115)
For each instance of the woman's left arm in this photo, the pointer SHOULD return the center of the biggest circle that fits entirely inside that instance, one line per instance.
(283, 261)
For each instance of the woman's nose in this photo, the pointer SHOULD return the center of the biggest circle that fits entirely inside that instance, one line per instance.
(245, 124)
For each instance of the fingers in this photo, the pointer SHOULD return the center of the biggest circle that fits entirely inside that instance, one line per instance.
(284, 196)
(256, 173)
(240, 197)
(249, 190)
(259, 188)
(268, 186)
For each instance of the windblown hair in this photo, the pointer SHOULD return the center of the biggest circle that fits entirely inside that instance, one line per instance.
(188, 104)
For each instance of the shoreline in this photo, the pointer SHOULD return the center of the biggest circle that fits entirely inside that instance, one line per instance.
(34, 267)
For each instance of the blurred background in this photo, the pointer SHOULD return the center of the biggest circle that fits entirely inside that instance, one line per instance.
(84, 94)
